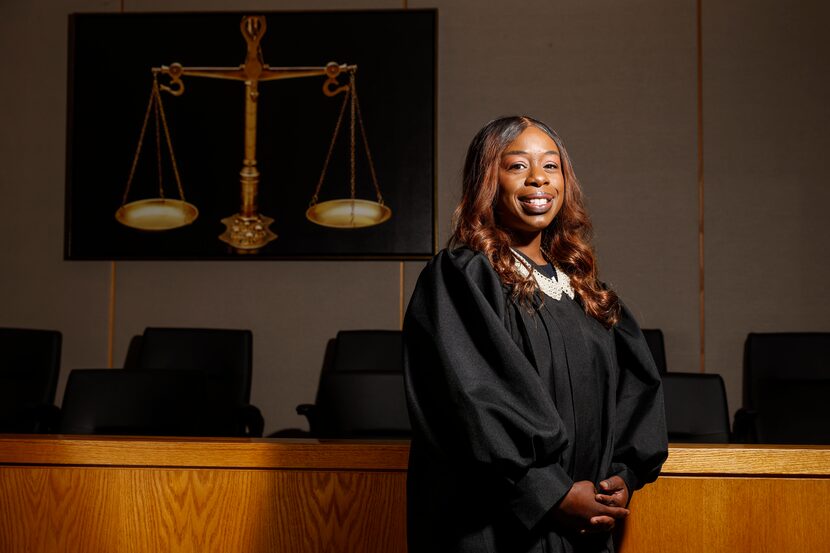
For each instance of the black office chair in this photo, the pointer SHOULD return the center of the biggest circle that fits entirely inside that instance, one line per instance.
(367, 351)
(224, 354)
(656, 344)
(29, 368)
(696, 408)
(785, 389)
(361, 390)
(141, 402)
(361, 405)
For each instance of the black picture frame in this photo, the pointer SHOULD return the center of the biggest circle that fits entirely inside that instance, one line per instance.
(110, 81)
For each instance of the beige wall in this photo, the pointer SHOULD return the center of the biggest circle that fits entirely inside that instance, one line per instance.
(767, 174)
(617, 80)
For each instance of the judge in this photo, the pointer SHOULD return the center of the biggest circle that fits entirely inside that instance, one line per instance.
(535, 404)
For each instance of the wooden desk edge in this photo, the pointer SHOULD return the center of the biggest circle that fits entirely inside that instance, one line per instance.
(240, 453)
(228, 453)
(747, 460)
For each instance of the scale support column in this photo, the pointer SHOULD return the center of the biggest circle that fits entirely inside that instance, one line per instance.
(248, 229)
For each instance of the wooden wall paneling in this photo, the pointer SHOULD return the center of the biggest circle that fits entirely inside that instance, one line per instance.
(83, 509)
(736, 515)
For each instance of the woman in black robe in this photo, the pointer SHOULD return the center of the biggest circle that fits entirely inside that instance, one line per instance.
(535, 404)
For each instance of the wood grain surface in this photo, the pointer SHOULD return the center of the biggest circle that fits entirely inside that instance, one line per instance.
(46, 509)
(729, 515)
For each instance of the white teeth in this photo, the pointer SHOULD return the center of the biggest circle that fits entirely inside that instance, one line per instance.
(537, 201)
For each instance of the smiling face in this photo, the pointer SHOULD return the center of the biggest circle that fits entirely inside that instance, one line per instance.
(531, 184)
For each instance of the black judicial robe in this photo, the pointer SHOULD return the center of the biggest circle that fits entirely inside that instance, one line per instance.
(510, 406)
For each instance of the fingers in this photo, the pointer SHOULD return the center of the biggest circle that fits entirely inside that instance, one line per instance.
(586, 510)
(598, 524)
(612, 484)
(611, 505)
(614, 492)
(615, 512)
(601, 524)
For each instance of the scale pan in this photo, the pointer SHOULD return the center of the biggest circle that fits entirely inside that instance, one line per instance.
(348, 213)
(157, 214)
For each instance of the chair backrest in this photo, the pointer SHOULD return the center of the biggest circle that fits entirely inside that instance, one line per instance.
(361, 391)
(223, 353)
(787, 383)
(362, 405)
(166, 402)
(696, 407)
(368, 350)
(29, 369)
(656, 344)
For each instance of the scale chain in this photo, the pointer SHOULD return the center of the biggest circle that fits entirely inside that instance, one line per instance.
(351, 141)
(355, 119)
(331, 147)
(150, 104)
(157, 107)
(366, 146)
(158, 137)
(169, 149)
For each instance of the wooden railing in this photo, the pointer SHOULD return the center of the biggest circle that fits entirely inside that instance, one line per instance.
(118, 494)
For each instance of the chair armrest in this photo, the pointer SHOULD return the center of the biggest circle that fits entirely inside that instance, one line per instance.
(745, 429)
(306, 409)
(309, 411)
(251, 421)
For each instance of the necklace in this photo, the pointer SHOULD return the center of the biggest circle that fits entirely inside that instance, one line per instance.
(553, 288)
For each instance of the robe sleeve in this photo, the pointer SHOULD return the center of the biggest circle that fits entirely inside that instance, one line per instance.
(641, 443)
(474, 398)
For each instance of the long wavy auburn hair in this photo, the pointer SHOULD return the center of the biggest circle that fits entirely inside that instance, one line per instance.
(566, 241)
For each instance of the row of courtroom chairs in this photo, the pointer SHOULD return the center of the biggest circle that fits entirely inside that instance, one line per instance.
(360, 392)
(191, 382)
(785, 382)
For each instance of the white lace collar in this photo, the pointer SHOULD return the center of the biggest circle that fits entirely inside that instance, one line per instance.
(553, 288)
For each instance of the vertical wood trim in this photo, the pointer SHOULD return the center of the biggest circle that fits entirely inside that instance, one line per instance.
(111, 316)
(401, 305)
(700, 190)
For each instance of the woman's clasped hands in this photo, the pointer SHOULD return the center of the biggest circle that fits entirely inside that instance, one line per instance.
(584, 509)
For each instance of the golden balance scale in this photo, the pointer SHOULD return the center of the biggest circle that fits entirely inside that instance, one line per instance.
(249, 230)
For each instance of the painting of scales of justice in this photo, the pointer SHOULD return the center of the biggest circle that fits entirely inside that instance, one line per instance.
(285, 135)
